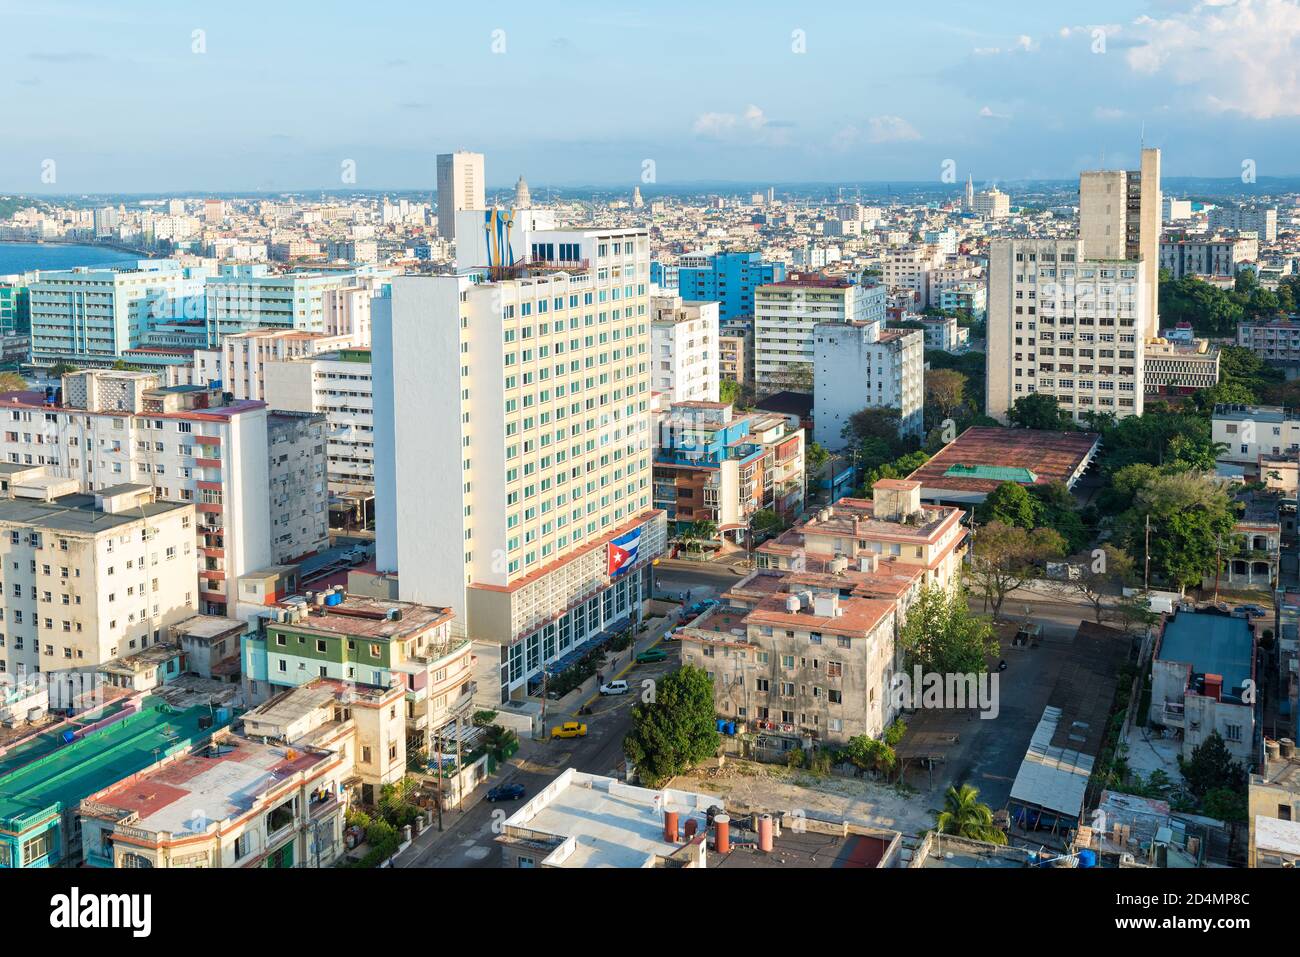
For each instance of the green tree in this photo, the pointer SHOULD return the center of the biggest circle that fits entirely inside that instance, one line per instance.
(766, 521)
(1191, 516)
(12, 382)
(676, 729)
(941, 635)
(729, 391)
(815, 457)
(1057, 511)
(964, 816)
(1009, 504)
(1101, 575)
(1004, 557)
(870, 754)
(1211, 767)
(1039, 410)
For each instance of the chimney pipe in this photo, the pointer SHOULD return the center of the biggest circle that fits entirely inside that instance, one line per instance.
(765, 833)
(670, 827)
(722, 834)
(692, 825)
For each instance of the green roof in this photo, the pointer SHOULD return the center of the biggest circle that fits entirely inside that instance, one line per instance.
(996, 473)
(41, 744)
(65, 776)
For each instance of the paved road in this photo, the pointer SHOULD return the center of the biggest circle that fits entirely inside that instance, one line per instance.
(469, 836)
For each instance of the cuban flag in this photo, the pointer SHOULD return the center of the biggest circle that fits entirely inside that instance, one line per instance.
(622, 553)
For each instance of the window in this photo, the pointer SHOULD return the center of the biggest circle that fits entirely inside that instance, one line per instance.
(36, 848)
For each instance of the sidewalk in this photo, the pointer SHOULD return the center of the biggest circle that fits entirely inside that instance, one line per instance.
(620, 663)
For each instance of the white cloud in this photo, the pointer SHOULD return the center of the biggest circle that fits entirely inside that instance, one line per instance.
(890, 129)
(1235, 55)
(751, 125)
(988, 114)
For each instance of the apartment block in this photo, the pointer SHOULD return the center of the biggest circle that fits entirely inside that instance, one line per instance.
(298, 487)
(1067, 325)
(730, 279)
(1273, 807)
(857, 366)
(785, 316)
(89, 577)
(91, 316)
(339, 385)
(244, 355)
(715, 466)
(1254, 432)
(684, 349)
(1211, 257)
(1260, 220)
(185, 442)
(534, 376)
(893, 526)
(460, 186)
(1179, 368)
(247, 296)
(736, 352)
(910, 267)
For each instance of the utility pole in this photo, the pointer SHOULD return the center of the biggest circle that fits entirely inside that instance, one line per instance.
(460, 786)
(1218, 565)
(437, 747)
(1146, 558)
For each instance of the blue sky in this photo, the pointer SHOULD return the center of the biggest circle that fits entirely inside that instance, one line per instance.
(583, 92)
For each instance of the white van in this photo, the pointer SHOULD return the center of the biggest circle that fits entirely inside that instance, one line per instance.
(614, 687)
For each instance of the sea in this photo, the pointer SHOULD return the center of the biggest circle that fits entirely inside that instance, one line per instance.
(23, 257)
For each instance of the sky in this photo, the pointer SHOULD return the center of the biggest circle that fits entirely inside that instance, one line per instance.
(141, 96)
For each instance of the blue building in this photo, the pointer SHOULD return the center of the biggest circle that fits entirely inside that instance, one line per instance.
(727, 278)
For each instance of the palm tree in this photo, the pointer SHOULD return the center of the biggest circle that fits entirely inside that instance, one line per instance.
(964, 816)
(702, 531)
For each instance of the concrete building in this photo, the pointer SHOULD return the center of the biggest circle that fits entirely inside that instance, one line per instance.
(855, 367)
(892, 526)
(736, 352)
(1067, 325)
(339, 385)
(44, 779)
(89, 577)
(1202, 681)
(247, 296)
(1260, 220)
(460, 186)
(1273, 811)
(1213, 257)
(729, 279)
(803, 659)
(1179, 368)
(943, 333)
(910, 268)
(184, 441)
(786, 314)
(684, 349)
(537, 381)
(91, 316)
(244, 355)
(990, 203)
(714, 466)
(1275, 340)
(1252, 432)
(1252, 560)
(1119, 220)
(298, 487)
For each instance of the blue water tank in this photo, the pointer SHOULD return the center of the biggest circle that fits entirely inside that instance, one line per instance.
(334, 598)
(1087, 858)
(722, 726)
(223, 715)
(731, 727)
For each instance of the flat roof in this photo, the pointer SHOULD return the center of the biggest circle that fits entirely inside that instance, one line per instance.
(222, 781)
(78, 514)
(1212, 645)
(89, 764)
(1274, 834)
(983, 457)
(364, 617)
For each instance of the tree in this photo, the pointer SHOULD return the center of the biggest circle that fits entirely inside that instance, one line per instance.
(964, 816)
(1102, 574)
(1211, 766)
(1192, 517)
(674, 730)
(1039, 410)
(870, 754)
(815, 457)
(694, 535)
(873, 423)
(941, 635)
(1057, 511)
(1004, 557)
(766, 521)
(12, 382)
(500, 742)
(62, 369)
(945, 393)
(1009, 504)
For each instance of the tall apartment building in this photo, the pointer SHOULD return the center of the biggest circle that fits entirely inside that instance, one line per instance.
(1215, 256)
(89, 577)
(785, 315)
(246, 296)
(714, 466)
(910, 268)
(1067, 325)
(536, 380)
(15, 307)
(990, 203)
(684, 349)
(729, 279)
(1274, 340)
(298, 488)
(339, 385)
(1119, 219)
(736, 351)
(244, 356)
(856, 366)
(90, 316)
(1260, 220)
(460, 186)
(123, 427)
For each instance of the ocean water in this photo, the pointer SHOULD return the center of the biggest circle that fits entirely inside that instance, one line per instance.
(21, 257)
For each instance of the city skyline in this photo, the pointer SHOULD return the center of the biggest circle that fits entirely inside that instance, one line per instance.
(173, 99)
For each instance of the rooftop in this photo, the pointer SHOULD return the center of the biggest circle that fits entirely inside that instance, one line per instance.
(363, 617)
(78, 514)
(1211, 644)
(983, 457)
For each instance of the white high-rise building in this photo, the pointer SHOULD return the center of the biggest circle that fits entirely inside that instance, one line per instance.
(248, 296)
(785, 314)
(857, 366)
(460, 186)
(684, 349)
(513, 447)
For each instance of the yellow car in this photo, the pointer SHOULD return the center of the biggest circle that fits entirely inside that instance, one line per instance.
(570, 729)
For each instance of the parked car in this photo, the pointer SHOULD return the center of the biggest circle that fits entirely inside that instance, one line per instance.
(506, 792)
(651, 655)
(671, 634)
(614, 687)
(570, 729)
(1249, 611)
